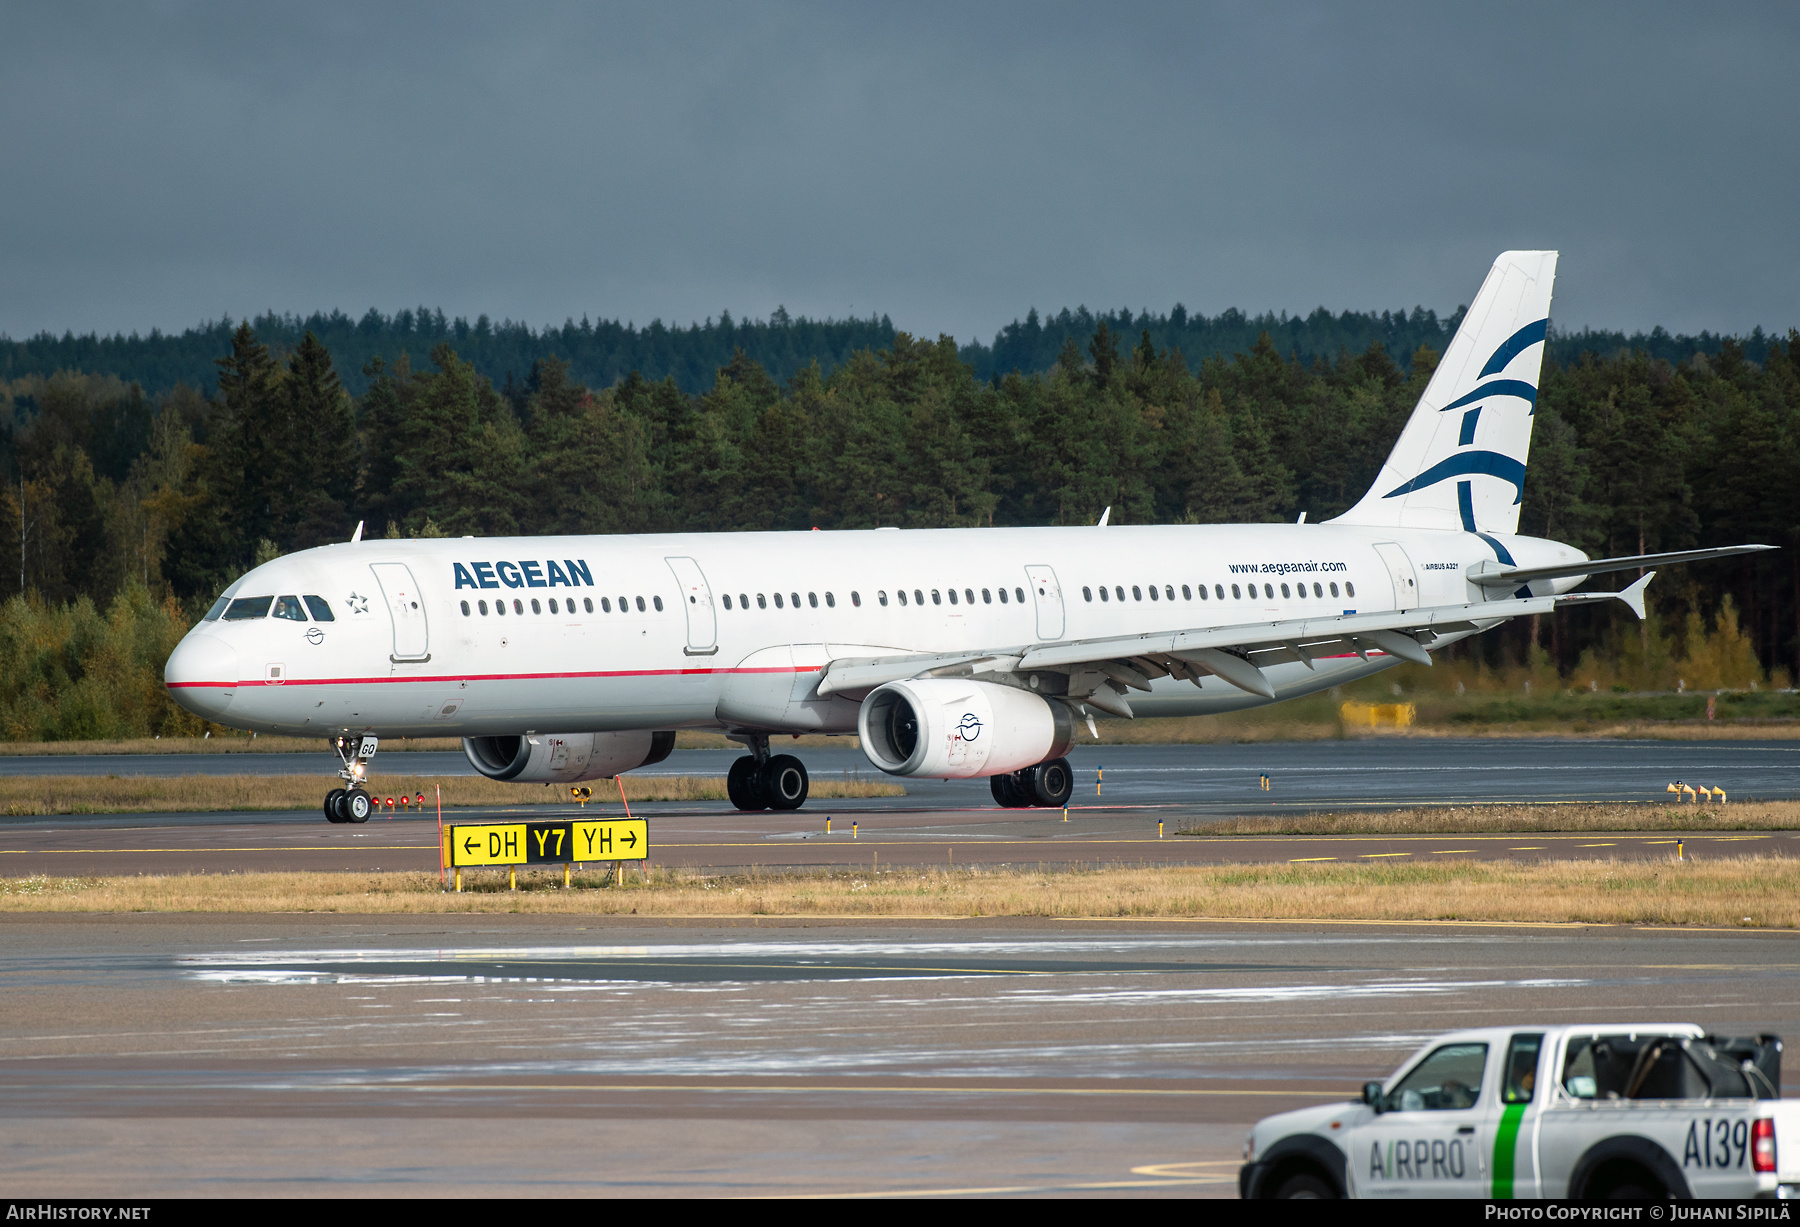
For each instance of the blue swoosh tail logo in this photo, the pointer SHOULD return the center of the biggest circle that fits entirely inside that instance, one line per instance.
(1497, 387)
(1492, 464)
(1515, 345)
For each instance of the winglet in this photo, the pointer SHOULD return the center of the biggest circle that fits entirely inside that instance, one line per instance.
(1634, 595)
(1104, 517)
(357, 535)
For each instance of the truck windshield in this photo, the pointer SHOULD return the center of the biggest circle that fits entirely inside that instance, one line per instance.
(1646, 1067)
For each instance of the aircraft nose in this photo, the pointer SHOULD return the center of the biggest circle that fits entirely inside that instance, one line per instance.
(202, 675)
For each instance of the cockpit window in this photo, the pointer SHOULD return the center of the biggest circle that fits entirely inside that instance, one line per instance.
(289, 607)
(321, 611)
(218, 607)
(247, 607)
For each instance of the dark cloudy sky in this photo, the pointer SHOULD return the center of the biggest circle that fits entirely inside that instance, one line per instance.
(950, 165)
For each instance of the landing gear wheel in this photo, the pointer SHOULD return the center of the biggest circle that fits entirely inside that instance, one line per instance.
(358, 805)
(1051, 783)
(332, 800)
(743, 784)
(1006, 791)
(784, 782)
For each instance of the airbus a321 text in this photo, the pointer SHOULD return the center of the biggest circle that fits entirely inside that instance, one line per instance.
(952, 653)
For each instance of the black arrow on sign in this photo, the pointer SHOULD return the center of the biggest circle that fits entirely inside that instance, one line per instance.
(469, 844)
(630, 839)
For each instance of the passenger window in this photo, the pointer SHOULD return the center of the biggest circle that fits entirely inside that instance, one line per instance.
(830, 601)
(553, 606)
(535, 607)
(1087, 594)
(1521, 1069)
(1153, 592)
(743, 601)
(987, 596)
(587, 603)
(856, 598)
(727, 599)
(218, 607)
(1269, 592)
(778, 603)
(518, 607)
(246, 608)
(1219, 590)
(795, 598)
(500, 609)
(918, 596)
(1318, 591)
(655, 600)
(969, 595)
(482, 606)
(812, 599)
(1334, 591)
(624, 604)
(1449, 1080)
(953, 596)
(762, 604)
(935, 598)
(1349, 589)
(902, 595)
(1019, 595)
(1235, 594)
(640, 604)
(1169, 591)
(1104, 595)
(605, 605)
(289, 607)
(1187, 593)
(1136, 593)
(465, 607)
(321, 611)
(1003, 596)
(1284, 593)
(881, 597)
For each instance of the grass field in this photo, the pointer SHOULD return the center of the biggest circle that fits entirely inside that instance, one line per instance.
(1474, 819)
(31, 795)
(1742, 892)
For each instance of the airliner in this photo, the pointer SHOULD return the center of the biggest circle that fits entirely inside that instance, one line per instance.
(949, 653)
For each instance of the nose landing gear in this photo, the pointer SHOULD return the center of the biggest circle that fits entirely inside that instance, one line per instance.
(760, 781)
(351, 804)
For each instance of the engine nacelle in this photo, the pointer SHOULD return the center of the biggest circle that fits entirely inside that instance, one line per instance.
(954, 728)
(566, 758)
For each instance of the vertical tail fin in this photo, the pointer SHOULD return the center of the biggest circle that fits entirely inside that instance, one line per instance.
(1460, 462)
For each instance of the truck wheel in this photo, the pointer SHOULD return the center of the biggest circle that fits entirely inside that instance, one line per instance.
(1305, 1186)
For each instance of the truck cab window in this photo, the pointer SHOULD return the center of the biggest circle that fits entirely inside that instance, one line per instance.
(1449, 1080)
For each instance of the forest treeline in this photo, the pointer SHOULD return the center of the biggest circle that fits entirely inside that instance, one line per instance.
(145, 505)
(603, 353)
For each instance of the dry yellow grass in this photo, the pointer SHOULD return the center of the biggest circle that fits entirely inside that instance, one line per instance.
(1743, 892)
(27, 795)
(1472, 819)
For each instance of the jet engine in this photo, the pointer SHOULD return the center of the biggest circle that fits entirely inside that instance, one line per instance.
(955, 728)
(566, 758)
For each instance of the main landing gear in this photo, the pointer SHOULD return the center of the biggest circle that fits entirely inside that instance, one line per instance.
(760, 781)
(1048, 784)
(351, 804)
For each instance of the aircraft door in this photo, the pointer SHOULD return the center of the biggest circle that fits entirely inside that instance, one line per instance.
(412, 641)
(1048, 595)
(697, 600)
(1400, 570)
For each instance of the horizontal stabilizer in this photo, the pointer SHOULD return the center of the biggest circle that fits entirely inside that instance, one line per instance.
(1512, 577)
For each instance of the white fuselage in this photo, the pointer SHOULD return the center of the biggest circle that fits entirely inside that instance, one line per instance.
(733, 630)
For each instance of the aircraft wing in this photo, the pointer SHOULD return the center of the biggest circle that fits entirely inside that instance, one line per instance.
(1512, 577)
(1101, 671)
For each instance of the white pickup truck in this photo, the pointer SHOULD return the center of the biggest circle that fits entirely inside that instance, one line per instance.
(1635, 1111)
